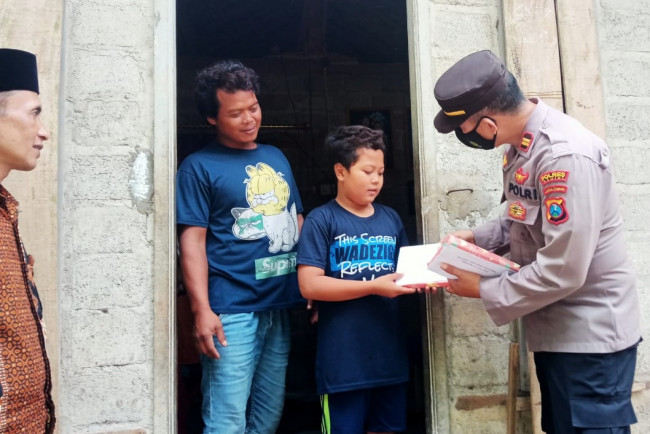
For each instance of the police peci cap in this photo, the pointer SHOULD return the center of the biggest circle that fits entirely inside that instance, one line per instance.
(17, 70)
(467, 87)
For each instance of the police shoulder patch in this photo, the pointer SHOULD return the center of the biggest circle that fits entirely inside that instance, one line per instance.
(554, 176)
(556, 212)
(555, 189)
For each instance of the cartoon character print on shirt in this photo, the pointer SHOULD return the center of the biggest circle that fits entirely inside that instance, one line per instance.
(248, 224)
(368, 255)
(267, 193)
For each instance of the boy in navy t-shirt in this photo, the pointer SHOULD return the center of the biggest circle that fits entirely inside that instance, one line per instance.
(347, 257)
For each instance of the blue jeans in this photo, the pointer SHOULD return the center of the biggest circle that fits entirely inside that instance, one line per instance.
(243, 391)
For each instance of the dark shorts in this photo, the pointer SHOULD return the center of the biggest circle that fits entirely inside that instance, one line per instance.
(586, 393)
(380, 409)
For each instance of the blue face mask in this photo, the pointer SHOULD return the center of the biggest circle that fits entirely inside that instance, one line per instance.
(475, 140)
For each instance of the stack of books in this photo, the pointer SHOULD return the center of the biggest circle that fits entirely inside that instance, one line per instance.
(421, 264)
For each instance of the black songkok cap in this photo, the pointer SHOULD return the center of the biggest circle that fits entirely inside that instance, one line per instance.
(17, 70)
(470, 85)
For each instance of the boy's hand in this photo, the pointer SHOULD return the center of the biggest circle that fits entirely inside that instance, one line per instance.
(206, 325)
(386, 286)
(429, 289)
(313, 307)
(467, 284)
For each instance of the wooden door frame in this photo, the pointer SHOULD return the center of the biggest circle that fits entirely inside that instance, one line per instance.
(164, 261)
(422, 105)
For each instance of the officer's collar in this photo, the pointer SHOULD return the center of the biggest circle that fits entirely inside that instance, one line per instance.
(532, 128)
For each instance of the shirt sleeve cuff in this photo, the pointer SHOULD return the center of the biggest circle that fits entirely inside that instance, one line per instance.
(488, 290)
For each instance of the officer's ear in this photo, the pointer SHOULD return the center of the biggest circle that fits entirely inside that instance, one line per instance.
(488, 127)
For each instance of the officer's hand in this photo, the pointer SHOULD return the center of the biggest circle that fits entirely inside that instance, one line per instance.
(467, 284)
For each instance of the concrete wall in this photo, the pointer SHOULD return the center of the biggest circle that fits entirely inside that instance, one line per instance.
(624, 41)
(107, 246)
(468, 354)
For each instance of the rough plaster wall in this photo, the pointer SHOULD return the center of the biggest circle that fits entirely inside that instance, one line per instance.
(468, 192)
(106, 305)
(624, 38)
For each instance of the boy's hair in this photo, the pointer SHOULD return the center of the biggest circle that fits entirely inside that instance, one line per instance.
(227, 75)
(342, 144)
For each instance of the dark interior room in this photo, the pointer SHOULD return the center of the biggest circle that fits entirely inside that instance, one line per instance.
(322, 64)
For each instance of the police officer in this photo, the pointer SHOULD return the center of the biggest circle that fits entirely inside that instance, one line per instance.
(576, 290)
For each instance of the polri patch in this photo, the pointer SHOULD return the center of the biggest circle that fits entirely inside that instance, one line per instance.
(526, 140)
(527, 193)
(521, 175)
(517, 211)
(556, 212)
(555, 189)
(554, 176)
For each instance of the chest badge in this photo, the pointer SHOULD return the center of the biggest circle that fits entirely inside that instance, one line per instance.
(521, 175)
(556, 212)
(517, 211)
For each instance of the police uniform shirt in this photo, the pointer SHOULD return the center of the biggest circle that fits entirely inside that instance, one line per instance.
(576, 290)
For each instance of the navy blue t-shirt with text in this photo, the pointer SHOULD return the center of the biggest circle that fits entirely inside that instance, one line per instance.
(360, 342)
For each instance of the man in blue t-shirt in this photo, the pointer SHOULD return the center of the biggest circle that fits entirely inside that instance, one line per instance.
(239, 216)
(347, 258)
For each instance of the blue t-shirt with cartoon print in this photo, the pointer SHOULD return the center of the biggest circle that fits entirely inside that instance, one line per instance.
(248, 201)
(360, 342)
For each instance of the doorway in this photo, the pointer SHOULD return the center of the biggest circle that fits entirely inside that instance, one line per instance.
(322, 63)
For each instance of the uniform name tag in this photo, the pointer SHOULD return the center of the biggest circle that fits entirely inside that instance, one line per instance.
(523, 192)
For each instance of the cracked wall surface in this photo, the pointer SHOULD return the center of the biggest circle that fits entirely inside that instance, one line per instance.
(106, 293)
(624, 41)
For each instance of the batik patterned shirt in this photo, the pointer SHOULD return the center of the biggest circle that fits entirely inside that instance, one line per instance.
(25, 380)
